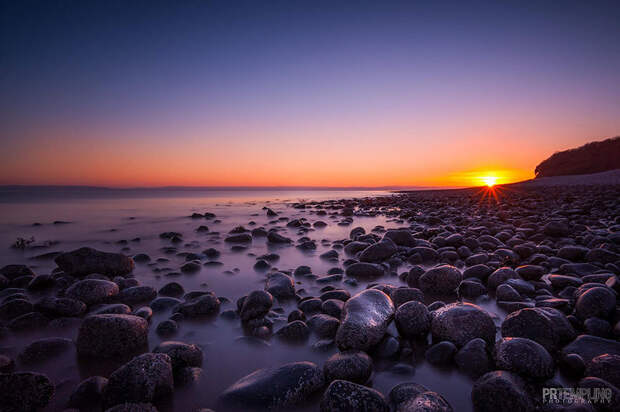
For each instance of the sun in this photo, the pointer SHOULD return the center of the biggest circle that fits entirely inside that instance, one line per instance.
(490, 181)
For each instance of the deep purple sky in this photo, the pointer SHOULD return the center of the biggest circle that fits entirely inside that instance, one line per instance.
(300, 93)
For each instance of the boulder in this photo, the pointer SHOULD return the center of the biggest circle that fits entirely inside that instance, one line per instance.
(501, 391)
(547, 326)
(344, 396)
(275, 388)
(203, 305)
(86, 261)
(24, 391)
(93, 291)
(378, 252)
(412, 319)
(365, 319)
(524, 357)
(280, 285)
(461, 322)
(441, 280)
(111, 335)
(354, 366)
(145, 378)
(256, 305)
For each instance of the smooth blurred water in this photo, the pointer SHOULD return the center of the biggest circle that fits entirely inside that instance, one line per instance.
(110, 223)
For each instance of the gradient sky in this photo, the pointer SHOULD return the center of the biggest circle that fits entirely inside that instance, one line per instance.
(356, 93)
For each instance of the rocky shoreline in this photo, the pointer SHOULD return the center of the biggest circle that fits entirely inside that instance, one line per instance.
(548, 258)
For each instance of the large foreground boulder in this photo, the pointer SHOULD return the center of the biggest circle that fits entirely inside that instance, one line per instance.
(86, 261)
(461, 322)
(112, 335)
(24, 391)
(275, 388)
(365, 319)
(144, 379)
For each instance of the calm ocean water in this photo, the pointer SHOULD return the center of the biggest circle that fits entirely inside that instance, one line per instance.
(110, 220)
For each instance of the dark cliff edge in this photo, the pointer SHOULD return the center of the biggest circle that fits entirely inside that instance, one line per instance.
(594, 157)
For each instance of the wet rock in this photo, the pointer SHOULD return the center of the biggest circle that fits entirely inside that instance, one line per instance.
(45, 349)
(296, 331)
(24, 391)
(256, 305)
(93, 291)
(167, 328)
(280, 285)
(60, 307)
(144, 312)
(275, 388)
(365, 320)
(364, 270)
(611, 401)
(112, 308)
(473, 358)
(15, 271)
(403, 392)
(112, 335)
(401, 237)
(479, 271)
(181, 354)
(403, 295)
(441, 353)
(29, 321)
(441, 280)
(530, 272)
(7, 364)
(606, 367)
(507, 293)
(137, 294)
(187, 376)
(41, 282)
(378, 252)
(353, 366)
(547, 326)
(589, 347)
(339, 294)
(500, 276)
(88, 394)
(412, 319)
(352, 248)
(239, 238)
(471, 289)
(324, 326)
(426, 402)
(596, 302)
(191, 267)
(14, 308)
(203, 305)
(501, 391)
(556, 229)
(163, 303)
(343, 396)
(309, 306)
(461, 322)
(145, 378)
(172, 289)
(333, 307)
(276, 238)
(84, 261)
(524, 357)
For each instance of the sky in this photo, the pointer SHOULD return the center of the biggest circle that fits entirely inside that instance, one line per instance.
(301, 93)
